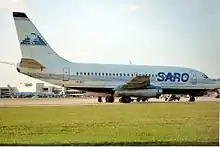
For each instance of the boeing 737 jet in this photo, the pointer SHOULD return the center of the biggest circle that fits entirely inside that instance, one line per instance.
(40, 61)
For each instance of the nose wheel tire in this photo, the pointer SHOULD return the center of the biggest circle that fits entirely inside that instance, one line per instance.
(192, 99)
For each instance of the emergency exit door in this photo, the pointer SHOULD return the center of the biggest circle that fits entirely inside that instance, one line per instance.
(66, 74)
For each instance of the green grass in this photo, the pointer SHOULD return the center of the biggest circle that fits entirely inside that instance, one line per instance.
(127, 124)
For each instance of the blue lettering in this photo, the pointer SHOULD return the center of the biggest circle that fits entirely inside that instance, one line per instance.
(172, 77)
(185, 77)
(169, 77)
(177, 76)
(161, 76)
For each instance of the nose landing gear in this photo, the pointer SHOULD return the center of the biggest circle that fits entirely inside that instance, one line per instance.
(192, 98)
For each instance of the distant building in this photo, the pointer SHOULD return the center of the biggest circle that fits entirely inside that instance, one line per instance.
(30, 87)
(37, 89)
(5, 92)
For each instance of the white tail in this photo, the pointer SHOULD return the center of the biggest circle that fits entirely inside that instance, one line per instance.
(34, 47)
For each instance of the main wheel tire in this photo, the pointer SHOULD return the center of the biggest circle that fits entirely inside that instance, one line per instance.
(107, 99)
(111, 99)
(138, 99)
(126, 99)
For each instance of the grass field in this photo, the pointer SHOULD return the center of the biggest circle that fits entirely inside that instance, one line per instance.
(127, 124)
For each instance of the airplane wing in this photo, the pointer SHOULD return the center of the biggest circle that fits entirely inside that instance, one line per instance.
(138, 82)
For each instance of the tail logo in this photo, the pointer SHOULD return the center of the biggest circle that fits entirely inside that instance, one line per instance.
(33, 39)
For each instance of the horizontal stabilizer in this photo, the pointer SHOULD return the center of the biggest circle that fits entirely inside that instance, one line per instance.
(30, 63)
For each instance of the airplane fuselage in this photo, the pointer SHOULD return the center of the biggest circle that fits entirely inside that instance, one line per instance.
(105, 77)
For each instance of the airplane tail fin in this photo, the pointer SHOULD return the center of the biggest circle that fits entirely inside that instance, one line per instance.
(36, 52)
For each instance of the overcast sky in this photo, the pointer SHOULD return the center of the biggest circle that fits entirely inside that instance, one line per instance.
(151, 32)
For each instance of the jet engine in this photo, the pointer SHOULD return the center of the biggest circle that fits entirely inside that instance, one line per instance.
(146, 93)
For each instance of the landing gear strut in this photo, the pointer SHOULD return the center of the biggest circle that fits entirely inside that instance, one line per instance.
(99, 99)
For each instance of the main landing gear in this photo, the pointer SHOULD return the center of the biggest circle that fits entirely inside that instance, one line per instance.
(111, 99)
(125, 99)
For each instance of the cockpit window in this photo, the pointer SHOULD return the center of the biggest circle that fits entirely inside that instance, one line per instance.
(205, 76)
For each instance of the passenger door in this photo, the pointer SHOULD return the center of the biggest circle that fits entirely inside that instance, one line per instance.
(66, 74)
(193, 78)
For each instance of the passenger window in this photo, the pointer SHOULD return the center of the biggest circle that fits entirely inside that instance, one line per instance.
(120, 74)
(92, 73)
(128, 75)
(99, 74)
(88, 73)
(110, 74)
(81, 73)
(116, 74)
(84, 73)
(95, 73)
(106, 74)
(113, 74)
(103, 74)
(132, 75)
(77, 73)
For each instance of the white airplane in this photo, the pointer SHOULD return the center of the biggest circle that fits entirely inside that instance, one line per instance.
(40, 61)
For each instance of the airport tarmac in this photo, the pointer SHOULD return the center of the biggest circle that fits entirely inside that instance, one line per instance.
(16, 102)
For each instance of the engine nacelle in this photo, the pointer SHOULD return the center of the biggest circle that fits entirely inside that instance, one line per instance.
(145, 93)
